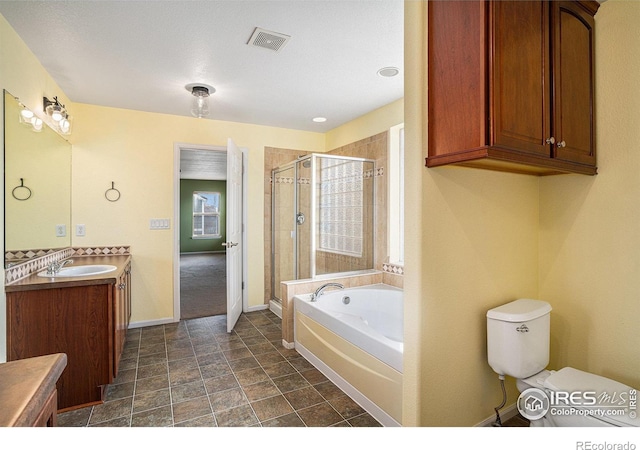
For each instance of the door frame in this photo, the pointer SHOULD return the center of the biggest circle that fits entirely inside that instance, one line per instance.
(177, 148)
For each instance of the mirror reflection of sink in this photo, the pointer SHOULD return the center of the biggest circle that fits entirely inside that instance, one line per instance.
(80, 271)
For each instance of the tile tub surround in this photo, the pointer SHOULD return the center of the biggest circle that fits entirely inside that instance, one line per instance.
(195, 374)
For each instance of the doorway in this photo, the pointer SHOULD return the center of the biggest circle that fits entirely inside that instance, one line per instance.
(200, 271)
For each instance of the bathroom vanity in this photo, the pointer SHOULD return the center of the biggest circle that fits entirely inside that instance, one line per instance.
(85, 317)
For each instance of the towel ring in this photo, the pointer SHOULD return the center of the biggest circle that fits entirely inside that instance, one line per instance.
(21, 192)
(112, 194)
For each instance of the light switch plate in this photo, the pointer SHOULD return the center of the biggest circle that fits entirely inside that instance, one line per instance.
(159, 224)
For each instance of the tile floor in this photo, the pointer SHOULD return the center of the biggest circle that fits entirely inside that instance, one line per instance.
(195, 374)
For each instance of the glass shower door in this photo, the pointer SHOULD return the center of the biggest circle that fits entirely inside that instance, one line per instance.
(283, 264)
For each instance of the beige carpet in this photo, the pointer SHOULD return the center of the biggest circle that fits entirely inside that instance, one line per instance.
(203, 285)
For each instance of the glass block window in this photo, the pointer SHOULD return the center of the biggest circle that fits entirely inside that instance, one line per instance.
(341, 206)
(206, 215)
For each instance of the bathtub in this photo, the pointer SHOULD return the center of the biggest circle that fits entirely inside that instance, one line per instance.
(355, 338)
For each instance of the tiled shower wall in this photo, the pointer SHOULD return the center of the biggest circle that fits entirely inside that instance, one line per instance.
(375, 148)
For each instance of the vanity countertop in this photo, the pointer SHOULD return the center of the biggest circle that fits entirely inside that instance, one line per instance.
(33, 281)
(25, 387)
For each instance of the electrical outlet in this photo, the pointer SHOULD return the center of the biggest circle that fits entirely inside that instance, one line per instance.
(80, 229)
(61, 230)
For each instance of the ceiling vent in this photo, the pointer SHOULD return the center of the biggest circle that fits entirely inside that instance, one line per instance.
(268, 39)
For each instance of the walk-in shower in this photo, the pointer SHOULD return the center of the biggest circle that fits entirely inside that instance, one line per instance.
(322, 217)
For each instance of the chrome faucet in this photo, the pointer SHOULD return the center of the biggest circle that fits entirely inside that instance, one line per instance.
(321, 289)
(55, 266)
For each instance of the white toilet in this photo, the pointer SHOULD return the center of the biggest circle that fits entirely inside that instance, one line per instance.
(518, 346)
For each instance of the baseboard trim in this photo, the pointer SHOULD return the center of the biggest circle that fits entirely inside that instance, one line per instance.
(275, 308)
(505, 414)
(149, 323)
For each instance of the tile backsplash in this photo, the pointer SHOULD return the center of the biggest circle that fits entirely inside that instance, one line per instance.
(22, 263)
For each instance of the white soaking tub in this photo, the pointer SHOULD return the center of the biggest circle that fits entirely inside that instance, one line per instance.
(354, 337)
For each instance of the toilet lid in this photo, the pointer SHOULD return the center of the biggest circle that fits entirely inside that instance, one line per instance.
(610, 395)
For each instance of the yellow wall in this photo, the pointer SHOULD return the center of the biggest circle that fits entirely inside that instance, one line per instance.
(136, 150)
(590, 226)
(370, 124)
(472, 245)
(480, 239)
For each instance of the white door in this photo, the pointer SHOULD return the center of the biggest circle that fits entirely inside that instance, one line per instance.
(234, 234)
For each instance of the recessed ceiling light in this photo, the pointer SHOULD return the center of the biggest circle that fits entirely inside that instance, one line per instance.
(388, 72)
(319, 119)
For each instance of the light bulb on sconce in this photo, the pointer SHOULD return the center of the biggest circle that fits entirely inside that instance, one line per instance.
(58, 113)
(28, 118)
(201, 93)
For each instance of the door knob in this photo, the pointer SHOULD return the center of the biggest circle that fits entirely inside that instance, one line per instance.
(229, 244)
(562, 144)
(551, 140)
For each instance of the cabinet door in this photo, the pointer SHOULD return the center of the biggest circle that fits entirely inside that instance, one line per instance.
(521, 118)
(119, 318)
(573, 85)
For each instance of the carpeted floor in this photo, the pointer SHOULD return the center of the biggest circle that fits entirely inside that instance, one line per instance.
(203, 285)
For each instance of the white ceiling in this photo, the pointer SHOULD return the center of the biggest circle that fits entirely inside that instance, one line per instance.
(140, 55)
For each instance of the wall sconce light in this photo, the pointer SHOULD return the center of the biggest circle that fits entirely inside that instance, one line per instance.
(201, 93)
(28, 118)
(58, 114)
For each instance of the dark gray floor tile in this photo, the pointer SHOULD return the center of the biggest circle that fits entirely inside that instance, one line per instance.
(251, 376)
(187, 391)
(322, 415)
(272, 407)
(111, 410)
(260, 390)
(219, 384)
(346, 407)
(303, 398)
(364, 420)
(228, 399)
(152, 384)
(240, 416)
(288, 420)
(191, 409)
(290, 382)
(159, 417)
(151, 400)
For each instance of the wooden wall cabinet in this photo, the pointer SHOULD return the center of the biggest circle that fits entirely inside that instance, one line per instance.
(86, 321)
(511, 85)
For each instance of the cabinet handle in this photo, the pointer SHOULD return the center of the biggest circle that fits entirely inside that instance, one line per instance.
(562, 144)
(551, 140)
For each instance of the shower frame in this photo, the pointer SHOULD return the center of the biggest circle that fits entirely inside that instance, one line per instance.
(314, 213)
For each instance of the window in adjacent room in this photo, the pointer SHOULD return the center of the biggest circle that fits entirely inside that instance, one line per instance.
(206, 215)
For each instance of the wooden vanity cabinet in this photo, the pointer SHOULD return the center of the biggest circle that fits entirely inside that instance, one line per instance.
(511, 85)
(86, 321)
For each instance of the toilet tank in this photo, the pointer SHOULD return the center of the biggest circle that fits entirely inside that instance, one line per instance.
(518, 337)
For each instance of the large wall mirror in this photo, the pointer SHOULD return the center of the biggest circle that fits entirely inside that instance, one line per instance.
(37, 183)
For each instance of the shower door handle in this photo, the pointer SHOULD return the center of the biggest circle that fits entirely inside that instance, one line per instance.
(229, 244)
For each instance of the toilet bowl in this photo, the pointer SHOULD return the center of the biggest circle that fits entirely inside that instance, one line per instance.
(582, 399)
(518, 346)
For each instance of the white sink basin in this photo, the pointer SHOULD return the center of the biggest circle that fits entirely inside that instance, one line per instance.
(80, 271)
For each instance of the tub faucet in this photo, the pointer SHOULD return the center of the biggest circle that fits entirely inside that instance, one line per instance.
(321, 289)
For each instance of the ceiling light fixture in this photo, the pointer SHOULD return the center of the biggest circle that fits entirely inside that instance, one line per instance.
(58, 114)
(201, 93)
(319, 119)
(388, 72)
